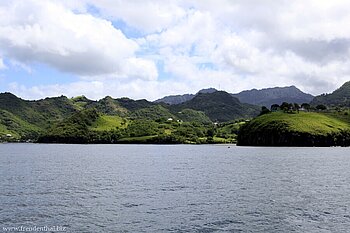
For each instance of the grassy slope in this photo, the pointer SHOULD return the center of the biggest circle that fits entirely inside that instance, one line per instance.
(152, 113)
(227, 132)
(4, 130)
(303, 129)
(343, 115)
(42, 113)
(306, 122)
(191, 115)
(109, 106)
(105, 123)
(11, 124)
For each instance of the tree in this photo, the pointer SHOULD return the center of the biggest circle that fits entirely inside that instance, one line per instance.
(285, 107)
(210, 140)
(210, 132)
(264, 110)
(296, 107)
(321, 107)
(306, 106)
(275, 107)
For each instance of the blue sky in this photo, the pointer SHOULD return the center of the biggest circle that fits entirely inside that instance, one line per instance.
(35, 74)
(148, 49)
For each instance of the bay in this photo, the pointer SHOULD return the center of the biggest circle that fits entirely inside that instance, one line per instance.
(175, 188)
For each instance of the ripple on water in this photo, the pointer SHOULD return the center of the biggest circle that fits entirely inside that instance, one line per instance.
(129, 188)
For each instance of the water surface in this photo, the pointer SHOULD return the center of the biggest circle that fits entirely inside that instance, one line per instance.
(180, 188)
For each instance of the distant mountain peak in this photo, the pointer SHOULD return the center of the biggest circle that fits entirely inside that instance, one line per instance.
(207, 90)
(178, 99)
(339, 97)
(263, 97)
(275, 95)
(218, 106)
(8, 94)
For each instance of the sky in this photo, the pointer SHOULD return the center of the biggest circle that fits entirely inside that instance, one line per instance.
(152, 48)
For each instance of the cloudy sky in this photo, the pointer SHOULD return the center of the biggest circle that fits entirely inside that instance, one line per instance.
(151, 48)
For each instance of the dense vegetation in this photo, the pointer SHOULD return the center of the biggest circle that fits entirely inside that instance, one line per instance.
(339, 98)
(89, 126)
(323, 122)
(219, 106)
(209, 117)
(80, 120)
(26, 120)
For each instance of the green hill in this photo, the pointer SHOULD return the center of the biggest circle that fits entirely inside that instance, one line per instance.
(81, 102)
(40, 112)
(16, 127)
(190, 115)
(74, 129)
(303, 129)
(155, 112)
(123, 120)
(107, 123)
(25, 119)
(340, 97)
(91, 126)
(133, 105)
(218, 106)
(109, 106)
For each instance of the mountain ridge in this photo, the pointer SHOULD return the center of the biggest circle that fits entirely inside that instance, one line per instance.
(210, 116)
(219, 106)
(31, 118)
(261, 97)
(275, 95)
(178, 99)
(339, 97)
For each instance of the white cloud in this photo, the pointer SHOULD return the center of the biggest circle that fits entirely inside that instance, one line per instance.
(95, 89)
(42, 31)
(146, 16)
(232, 45)
(260, 45)
(137, 68)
